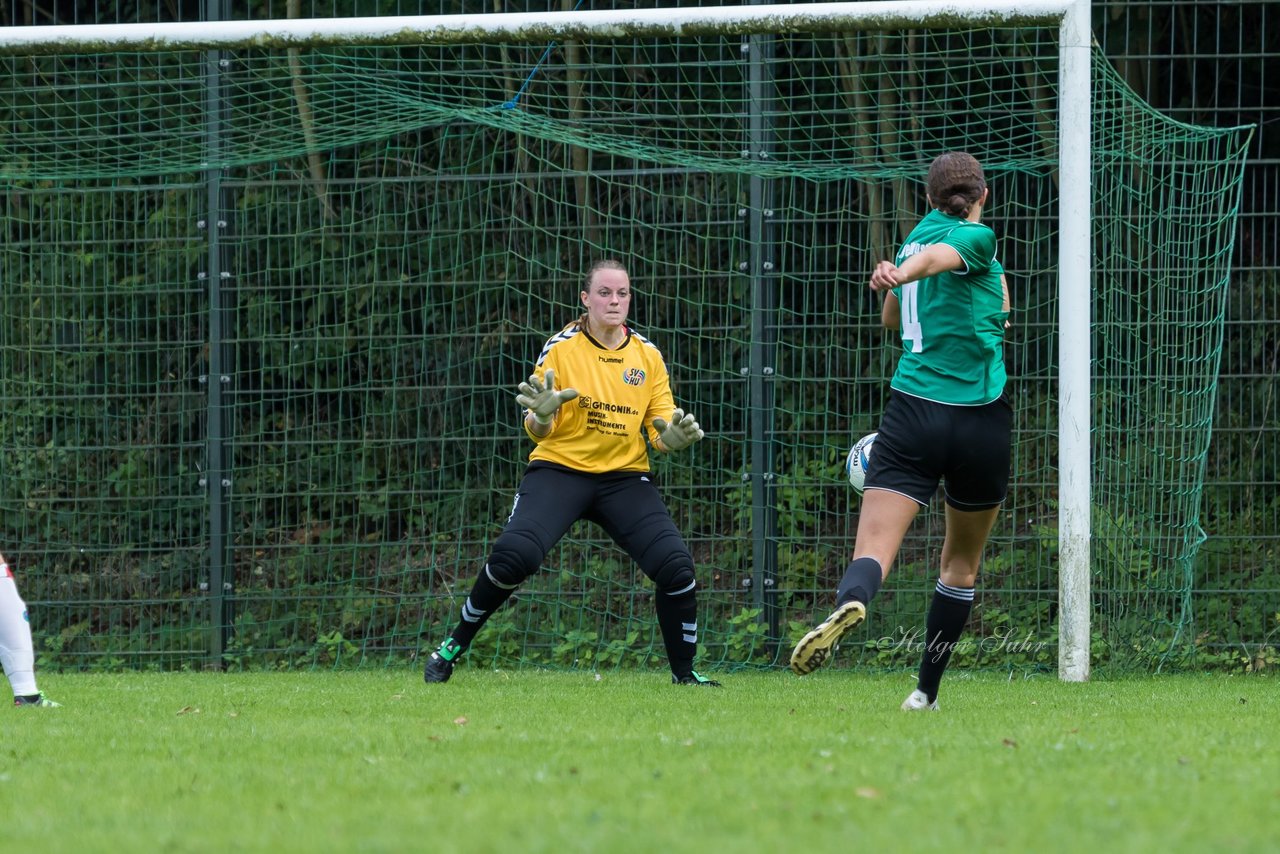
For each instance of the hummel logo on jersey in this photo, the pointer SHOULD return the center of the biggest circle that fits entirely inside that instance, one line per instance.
(610, 360)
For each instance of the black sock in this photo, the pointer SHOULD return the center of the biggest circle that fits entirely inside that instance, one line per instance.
(861, 581)
(486, 595)
(948, 612)
(678, 622)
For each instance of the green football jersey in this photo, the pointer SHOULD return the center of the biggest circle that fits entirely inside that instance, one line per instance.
(953, 323)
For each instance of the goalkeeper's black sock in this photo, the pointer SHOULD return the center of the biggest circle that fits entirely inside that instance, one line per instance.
(861, 581)
(486, 596)
(678, 621)
(948, 613)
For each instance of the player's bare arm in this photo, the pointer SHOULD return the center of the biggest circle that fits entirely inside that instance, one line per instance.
(932, 261)
(890, 311)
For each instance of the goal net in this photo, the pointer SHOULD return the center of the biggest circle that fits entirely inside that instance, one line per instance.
(266, 298)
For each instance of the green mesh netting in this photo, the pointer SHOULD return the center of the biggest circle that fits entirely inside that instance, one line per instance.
(395, 231)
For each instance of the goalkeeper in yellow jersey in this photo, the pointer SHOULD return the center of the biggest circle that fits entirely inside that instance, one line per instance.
(597, 390)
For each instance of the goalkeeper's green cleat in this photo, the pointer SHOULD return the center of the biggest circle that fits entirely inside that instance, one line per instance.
(694, 678)
(36, 700)
(817, 646)
(440, 664)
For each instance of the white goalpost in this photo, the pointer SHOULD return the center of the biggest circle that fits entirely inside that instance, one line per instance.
(424, 29)
(1074, 353)
(1075, 248)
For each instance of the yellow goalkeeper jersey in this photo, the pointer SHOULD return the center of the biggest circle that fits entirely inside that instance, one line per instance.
(620, 392)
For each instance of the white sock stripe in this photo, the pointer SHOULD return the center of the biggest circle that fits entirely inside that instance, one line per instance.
(690, 627)
(471, 613)
(496, 582)
(692, 584)
(964, 594)
(690, 638)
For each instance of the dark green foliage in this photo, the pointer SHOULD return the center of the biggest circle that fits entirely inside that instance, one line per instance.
(370, 334)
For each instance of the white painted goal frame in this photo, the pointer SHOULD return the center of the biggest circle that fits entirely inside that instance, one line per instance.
(1072, 17)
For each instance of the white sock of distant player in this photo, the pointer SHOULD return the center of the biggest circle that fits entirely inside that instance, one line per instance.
(16, 652)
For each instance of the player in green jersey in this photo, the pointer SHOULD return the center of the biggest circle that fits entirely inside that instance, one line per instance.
(947, 421)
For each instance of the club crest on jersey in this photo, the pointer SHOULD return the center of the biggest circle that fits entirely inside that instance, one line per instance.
(633, 376)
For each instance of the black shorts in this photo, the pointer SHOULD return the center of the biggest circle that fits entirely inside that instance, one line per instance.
(922, 443)
(626, 505)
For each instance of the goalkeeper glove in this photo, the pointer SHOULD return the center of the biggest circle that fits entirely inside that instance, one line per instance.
(540, 397)
(680, 433)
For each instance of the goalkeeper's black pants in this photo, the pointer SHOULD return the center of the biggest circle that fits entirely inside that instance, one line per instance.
(628, 506)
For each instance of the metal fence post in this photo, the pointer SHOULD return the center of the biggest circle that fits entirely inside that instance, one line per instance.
(217, 476)
(762, 370)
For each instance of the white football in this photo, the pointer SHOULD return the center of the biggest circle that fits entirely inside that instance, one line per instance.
(855, 465)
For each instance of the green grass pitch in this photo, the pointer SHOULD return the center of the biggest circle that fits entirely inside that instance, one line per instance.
(537, 761)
